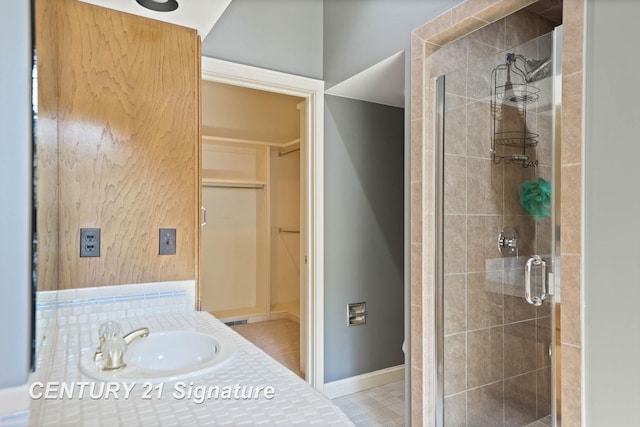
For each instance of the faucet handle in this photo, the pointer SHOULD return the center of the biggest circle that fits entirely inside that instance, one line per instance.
(107, 330)
(113, 353)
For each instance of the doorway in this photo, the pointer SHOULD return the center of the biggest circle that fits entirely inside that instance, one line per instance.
(252, 169)
(251, 196)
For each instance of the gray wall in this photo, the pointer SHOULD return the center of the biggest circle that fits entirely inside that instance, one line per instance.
(612, 212)
(361, 33)
(363, 235)
(281, 35)
(15, 175)
(357, 35)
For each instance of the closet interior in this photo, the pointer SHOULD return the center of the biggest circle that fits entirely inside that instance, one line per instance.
(251, 196)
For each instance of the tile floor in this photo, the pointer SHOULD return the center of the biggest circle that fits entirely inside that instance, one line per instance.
(278, 338)
(384, 406)
(378, 406)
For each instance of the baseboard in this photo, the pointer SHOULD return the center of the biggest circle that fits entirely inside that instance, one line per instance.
(249, 318)
(260, 317)
(15, 405)
(363, 382)
(284, 315)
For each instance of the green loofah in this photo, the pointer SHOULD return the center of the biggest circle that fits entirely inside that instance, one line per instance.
(535, 198)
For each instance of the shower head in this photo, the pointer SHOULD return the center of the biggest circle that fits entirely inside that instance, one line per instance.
(541, 70)
(536, 69)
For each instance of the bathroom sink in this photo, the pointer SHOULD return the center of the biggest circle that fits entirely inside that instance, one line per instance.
(166, 356)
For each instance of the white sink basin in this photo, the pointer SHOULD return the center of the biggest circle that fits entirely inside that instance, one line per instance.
(166, 356)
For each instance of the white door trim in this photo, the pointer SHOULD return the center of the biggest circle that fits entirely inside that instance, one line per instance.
(312, 90)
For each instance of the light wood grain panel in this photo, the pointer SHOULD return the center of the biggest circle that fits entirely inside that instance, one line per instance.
(127, 135)
(46, 17)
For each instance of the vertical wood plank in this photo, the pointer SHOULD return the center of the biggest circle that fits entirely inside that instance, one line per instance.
(46, 21)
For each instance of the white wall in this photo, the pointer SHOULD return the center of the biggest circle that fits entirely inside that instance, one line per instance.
(612, 213)
(15, 175)
(230, 248)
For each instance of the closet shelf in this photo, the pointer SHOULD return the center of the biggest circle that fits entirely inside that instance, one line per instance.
(233, 183)
(289, 230)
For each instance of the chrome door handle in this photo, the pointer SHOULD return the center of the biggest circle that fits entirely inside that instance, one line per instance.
(535, 261)
(204, 216)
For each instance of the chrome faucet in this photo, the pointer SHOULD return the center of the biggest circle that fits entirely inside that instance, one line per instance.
(110, 352)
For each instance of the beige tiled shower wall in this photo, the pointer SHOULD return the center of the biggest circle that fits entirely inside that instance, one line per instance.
(571, 208)
(478, 201)
(496, 369)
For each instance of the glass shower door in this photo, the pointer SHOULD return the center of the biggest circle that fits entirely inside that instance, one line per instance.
(495, 232)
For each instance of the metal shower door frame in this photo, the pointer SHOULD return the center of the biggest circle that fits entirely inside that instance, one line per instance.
(554, 280)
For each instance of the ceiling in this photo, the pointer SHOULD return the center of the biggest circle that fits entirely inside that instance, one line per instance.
(198, 14)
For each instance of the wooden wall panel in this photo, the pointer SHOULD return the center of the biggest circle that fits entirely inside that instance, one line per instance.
(128, 136)
(47, 147)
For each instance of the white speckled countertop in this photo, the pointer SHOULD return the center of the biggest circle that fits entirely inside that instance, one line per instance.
(294, 402)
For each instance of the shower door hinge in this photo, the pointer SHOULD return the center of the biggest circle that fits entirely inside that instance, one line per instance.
(551, 286)
(305, 260)
(199, 305)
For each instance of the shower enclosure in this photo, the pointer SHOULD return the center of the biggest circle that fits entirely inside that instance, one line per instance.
(495, 238)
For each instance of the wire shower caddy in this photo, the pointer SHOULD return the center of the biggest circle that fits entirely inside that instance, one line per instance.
(516, 94)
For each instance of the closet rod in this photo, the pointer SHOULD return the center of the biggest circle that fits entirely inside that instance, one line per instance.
(247, 186)
(288, 230)
(284, 153)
